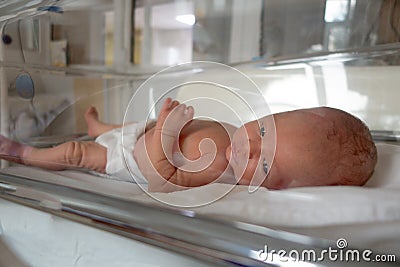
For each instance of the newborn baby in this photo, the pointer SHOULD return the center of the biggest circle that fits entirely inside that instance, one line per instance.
(314, 147)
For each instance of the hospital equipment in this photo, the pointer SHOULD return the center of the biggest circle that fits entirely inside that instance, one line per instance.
(74, 218)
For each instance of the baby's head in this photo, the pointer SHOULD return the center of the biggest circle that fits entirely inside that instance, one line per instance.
(314, 147)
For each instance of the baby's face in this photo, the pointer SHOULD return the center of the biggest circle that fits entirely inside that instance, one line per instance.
(279, 153)
(252, 150)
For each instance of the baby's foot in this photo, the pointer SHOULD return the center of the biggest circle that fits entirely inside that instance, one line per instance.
(91, 114)
(94, 125)
(11, 150)
(92, 121)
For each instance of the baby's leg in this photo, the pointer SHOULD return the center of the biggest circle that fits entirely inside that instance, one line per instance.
(88, 155)
(95, 126)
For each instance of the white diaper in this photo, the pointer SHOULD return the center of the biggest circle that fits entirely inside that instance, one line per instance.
(117, 164)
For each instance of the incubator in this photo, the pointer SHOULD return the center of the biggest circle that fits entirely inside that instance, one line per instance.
(234, 61)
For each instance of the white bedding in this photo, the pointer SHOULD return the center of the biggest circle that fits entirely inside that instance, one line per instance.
(377, 201)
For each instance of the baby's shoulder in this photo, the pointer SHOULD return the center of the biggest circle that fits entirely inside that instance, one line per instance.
(212, 126)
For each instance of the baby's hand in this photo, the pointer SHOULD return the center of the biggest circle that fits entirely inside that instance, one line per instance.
(173, 116)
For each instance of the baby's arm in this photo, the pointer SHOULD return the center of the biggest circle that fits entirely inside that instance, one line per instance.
(173, 116)
(205, 170)
(167, 177)
(74, 154)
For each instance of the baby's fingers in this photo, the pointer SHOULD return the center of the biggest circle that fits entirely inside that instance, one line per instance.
(184, 112)
(177, 119)
(169, 105)
(166, 108)
(174, 104)
(190, 112)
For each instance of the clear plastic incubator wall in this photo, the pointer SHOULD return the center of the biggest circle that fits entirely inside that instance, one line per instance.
(234, 61)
